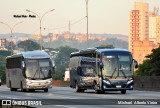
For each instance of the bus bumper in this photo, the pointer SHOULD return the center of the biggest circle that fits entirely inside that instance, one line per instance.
(39, 84)
(117, 87)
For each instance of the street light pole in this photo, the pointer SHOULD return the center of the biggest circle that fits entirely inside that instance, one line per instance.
(40, 21)
(11, 30)
(87, 20)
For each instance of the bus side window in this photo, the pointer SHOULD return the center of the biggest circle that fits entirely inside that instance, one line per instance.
(53, 67)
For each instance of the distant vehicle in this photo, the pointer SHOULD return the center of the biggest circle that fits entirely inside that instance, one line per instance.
(66, 75)
(102, 70)
(29, 71)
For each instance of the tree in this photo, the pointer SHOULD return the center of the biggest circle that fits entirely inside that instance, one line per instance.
(150, 66)
(29, 45)
(9, 45)
(106, 46)
(3, 55)
(62, 61)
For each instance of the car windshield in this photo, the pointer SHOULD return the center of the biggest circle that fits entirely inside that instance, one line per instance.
(117, 65)
(38, 68)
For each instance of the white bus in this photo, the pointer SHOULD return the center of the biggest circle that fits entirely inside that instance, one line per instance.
(30, 70)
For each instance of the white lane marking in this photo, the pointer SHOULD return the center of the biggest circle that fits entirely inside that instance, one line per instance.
(65, 106)
(62, 97)
(8, 97)
(147, 106)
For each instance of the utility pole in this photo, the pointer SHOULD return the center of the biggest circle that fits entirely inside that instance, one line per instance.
(69, 27)
(87, 20)
(40, 21)
(11, 32)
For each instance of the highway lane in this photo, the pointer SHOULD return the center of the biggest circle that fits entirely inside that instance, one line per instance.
(66, 93)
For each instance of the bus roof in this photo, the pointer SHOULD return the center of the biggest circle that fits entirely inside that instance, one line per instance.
(31, 54)
(99, 50)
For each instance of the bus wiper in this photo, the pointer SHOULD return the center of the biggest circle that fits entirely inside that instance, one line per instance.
(35, 73)
(113, 72)
(42, 72)
(131, 65)
(121, 71)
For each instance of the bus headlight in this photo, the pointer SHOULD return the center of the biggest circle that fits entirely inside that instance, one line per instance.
(49, 81)
(28, 81)
(107, 82)
(130, 81)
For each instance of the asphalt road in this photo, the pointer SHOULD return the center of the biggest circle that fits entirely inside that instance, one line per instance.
(65, 97)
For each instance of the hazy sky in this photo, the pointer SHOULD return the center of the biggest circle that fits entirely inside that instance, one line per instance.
(105, 16)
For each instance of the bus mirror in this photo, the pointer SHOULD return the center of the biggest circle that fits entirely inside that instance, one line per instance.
(79, 70)
(101, 64)
(53, 69)
(135, 63)
(23, 65)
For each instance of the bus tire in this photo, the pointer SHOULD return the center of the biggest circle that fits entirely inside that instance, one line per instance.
(123, 91)
(46, 90)
(95, 87)
(11, 89)
(31, 90)
(78, 89)
(97, 91)
(23, 90)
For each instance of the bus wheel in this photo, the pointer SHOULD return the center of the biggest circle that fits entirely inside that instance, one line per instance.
(97, 91)
(23, 90)
(77, 88)
(45, 90)
(11, 89)
(96, 88)
(31, 90)
(123, 91)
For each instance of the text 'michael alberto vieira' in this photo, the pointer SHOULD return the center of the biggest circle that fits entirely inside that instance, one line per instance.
(137, 102)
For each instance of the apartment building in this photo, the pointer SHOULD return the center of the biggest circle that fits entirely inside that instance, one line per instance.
(144, 31)
(138, 24)
(142, 49)
(154, 29)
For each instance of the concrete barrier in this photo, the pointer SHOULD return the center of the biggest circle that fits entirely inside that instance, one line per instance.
(148, 83)
(151, 83)
(59, 83)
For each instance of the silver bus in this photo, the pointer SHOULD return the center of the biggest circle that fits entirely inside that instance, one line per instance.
(30, 70)
(102, 70)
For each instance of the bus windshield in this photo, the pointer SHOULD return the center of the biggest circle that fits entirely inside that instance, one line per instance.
(116, 65)
(38, 68)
